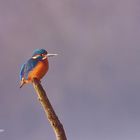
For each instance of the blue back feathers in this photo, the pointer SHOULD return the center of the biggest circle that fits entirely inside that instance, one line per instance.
(22, 71)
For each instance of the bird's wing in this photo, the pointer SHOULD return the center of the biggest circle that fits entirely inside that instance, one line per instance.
(22, 71)
(29, 66)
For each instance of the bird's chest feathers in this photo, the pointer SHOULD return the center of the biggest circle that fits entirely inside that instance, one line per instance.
(40, 70)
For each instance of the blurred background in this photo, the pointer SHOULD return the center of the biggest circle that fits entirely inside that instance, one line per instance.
(93, 84)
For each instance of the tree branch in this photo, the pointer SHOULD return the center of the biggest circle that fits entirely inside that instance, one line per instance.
(50, 113)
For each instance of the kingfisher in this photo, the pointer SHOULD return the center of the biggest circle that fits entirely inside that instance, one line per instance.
(36, 67)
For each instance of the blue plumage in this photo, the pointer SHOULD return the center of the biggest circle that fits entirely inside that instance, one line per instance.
(22, 71)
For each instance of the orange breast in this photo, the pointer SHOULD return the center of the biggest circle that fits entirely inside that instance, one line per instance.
(39, 71)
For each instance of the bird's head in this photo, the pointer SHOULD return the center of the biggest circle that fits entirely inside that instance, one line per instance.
(41, 53)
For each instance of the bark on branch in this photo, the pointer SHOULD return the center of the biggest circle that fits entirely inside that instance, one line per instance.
(50, 113)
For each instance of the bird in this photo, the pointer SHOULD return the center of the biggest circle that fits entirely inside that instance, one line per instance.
(36, 67)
